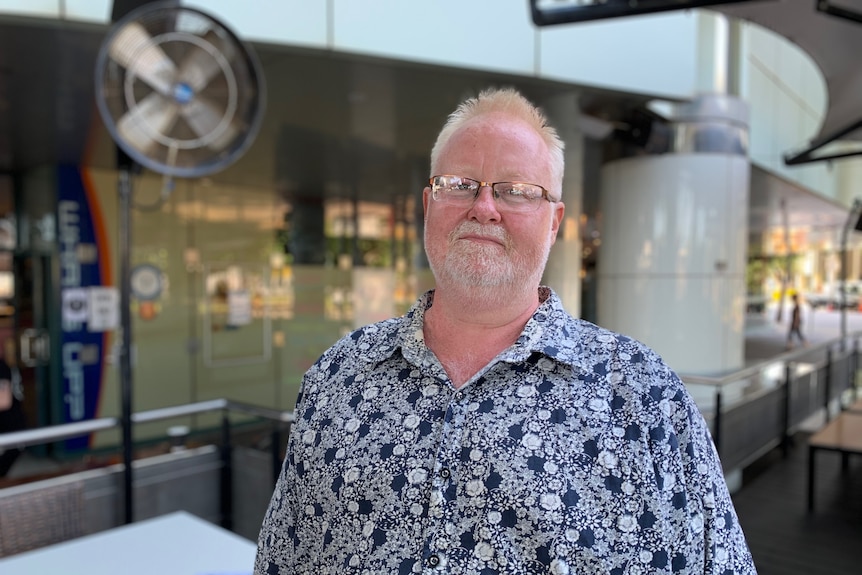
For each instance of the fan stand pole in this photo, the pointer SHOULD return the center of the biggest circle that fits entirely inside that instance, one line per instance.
(125, 192)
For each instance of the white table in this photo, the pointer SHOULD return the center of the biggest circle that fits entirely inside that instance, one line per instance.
(174, 544)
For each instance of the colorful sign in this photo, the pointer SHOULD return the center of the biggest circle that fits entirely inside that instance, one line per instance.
(82, 349)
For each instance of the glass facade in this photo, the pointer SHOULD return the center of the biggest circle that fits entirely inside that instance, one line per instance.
(242, 279)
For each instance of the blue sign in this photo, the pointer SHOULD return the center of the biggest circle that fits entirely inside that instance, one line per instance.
(82, 253)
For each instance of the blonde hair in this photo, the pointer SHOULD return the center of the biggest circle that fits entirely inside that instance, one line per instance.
(510, 102)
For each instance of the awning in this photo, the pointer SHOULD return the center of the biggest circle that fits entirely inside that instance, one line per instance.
(774, 198)
(830, 32)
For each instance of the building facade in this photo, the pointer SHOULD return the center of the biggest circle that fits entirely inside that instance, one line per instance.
(242, 278)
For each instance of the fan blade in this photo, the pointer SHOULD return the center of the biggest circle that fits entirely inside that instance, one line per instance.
(134, 49)
(154, 115)
(202, 63)
(204, 119)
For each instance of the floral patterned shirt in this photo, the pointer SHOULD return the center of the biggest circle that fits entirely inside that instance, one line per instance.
(576, 451)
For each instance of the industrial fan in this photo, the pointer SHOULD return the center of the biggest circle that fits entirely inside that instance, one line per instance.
(181, 95)
(178, 91)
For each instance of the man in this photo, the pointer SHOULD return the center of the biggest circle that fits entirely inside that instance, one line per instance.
(487, 430)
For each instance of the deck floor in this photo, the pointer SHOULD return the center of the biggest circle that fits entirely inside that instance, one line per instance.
(785, 539)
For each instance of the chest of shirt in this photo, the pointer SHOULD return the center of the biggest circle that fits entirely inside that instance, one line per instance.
(521, 428)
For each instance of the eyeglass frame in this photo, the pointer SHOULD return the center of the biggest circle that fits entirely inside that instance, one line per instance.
(546, 195)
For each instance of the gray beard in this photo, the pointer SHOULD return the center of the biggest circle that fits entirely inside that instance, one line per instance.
(488, 273)
(486, 267)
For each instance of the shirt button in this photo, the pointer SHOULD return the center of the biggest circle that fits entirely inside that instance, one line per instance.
(434, 560)
(444, 473)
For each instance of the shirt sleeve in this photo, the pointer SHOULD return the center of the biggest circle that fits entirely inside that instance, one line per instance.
(724, 548)
(275, 546)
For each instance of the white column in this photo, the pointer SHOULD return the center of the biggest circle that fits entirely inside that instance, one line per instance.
(674, 242)
(564, 263)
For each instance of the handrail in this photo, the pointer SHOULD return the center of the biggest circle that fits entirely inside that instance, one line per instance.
(52, 433)
(179, 410)
(788, 362)
(28, 437)
(42, 435)
(262, 412)
(59, 432)
(20, 439)
(746, 372)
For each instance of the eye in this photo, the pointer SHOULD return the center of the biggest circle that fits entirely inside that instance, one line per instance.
(519, 192)
(463, 186)
(455, 188)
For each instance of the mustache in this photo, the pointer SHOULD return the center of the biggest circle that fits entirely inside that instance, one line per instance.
(477, 229)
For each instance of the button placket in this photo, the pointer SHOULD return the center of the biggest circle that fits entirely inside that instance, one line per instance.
(439, 512)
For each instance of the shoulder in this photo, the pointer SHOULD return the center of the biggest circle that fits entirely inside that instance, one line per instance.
(623, 370)
(359, 350)
(376, 342)
(367, 342)
(594, 349)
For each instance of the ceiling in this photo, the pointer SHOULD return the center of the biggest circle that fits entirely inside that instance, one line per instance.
(333, 122)
(834, 42)
(774, 198)
(45, 96)
(828, 30)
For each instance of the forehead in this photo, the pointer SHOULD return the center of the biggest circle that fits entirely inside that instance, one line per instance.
(496, 143)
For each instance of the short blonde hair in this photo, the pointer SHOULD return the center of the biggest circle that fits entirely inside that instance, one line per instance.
(507, 101)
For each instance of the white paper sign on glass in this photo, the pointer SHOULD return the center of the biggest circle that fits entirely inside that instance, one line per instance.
(104, 309)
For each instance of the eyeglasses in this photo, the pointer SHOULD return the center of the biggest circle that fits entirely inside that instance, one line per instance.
(511, 196)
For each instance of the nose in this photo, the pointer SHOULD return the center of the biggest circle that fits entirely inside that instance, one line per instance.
(484, 208)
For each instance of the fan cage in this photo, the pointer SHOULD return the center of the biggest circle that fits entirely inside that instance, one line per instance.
(151, 106)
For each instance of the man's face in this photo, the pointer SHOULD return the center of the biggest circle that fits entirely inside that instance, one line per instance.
(483, 246)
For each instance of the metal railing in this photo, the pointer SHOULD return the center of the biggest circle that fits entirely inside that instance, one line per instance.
(752, 410)
(760, 407)
(44, 435)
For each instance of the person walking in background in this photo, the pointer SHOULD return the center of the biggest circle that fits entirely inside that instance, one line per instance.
(795, 323)
(11, 414)
(488, 430)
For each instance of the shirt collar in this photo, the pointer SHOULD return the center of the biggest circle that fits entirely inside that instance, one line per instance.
(551, 331)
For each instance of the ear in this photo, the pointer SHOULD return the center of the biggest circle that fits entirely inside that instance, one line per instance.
(426, 198)
(556, 218)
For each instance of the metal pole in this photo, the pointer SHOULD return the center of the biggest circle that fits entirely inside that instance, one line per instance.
(226, 486)
(854, 366)
(787, 253)
(716, 426)
(851, 220)
(125, 233)
(827, 383)
(842, 284)
(785, 423)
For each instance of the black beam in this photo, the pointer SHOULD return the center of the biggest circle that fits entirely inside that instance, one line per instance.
(807, 155)
(565, 14)
(827, 8)
(122, 7)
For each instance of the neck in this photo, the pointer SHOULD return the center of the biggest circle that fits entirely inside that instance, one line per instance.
(466, 333)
